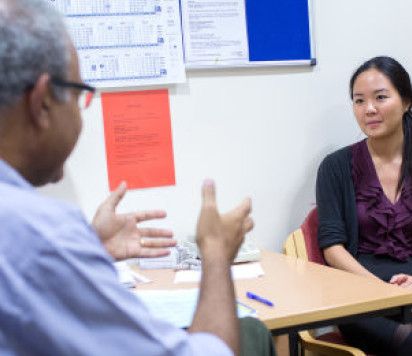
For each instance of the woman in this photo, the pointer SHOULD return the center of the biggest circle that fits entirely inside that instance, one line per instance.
(364, 198)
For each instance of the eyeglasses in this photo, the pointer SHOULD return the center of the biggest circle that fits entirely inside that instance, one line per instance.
(86, 91)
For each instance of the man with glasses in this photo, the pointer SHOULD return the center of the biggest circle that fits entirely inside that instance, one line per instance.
(59, 293)
(86, 91)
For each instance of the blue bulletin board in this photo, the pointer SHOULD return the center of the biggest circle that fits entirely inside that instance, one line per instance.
(279, 32)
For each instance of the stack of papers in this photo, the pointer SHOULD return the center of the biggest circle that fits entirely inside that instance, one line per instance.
(241, 271)
(169, 261)
(179, 305)
(127, 277)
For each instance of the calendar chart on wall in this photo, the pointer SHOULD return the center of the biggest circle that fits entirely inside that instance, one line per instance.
(126, 42)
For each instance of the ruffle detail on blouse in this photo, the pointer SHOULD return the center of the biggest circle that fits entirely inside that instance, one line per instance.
(385, 235)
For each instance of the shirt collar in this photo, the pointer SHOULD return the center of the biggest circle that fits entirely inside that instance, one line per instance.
(9, 175)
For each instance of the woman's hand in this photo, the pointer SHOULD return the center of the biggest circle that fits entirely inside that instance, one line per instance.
(402, 280)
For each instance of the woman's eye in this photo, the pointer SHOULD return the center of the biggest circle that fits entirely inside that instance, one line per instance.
(358, 101)
(382, 97)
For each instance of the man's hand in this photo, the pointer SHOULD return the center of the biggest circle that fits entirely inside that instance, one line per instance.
(219, 237)
(120, 235)
(402, 280)
(221, 234)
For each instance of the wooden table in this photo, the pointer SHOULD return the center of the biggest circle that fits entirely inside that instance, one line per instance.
(307, 295)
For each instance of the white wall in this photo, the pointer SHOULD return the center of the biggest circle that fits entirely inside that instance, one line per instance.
(257, 132)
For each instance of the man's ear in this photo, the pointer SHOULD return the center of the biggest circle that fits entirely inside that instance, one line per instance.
(39, 101)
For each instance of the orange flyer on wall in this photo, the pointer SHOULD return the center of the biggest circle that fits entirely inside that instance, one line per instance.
(138, 137)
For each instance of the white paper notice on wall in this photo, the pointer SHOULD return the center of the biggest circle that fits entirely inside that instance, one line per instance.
(214, 32)
(126, 43)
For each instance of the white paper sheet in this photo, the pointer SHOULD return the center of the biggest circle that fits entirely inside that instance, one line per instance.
(178, 306)
(241, 271)
(214, 32)
(126, 43)
(127, 276)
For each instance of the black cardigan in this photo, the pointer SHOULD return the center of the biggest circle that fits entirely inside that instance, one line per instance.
(336, 203)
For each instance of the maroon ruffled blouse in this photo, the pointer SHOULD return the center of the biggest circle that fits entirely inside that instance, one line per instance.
(384, 228)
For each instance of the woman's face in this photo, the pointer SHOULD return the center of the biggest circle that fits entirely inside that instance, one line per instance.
(377, 105)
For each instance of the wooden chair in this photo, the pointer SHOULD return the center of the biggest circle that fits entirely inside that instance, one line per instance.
(303, 243)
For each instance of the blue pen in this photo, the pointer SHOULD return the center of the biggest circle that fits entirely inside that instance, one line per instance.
(253, 296)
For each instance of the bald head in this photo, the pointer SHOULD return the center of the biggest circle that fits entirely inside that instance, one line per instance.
(33, 40)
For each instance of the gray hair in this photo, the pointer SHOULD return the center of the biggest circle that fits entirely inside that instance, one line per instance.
(33, 41)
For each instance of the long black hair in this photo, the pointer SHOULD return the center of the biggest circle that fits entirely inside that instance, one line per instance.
(399, 78)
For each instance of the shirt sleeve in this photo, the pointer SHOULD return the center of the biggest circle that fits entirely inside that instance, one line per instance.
(66, 300)
(330, 204)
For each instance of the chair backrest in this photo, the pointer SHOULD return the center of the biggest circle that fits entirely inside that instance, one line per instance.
(310, 233)
(303, 242)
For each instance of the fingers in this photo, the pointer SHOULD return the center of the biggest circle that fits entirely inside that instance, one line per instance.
(209, 193)
(246, 206)
(402, 280)
(243, 209)
(153, 232)
(241, 214)
(398, 278)
(408, 284)
(149, 252)
(156, 247)
(157, 243)
(148, 215)
(248, 225)
(117, 195)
